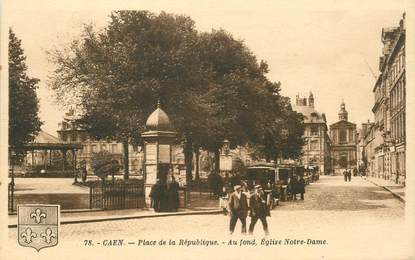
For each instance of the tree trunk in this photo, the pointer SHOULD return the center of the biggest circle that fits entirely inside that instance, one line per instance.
(197, 152)
(126, 161)
(188, 158)
(217, 161)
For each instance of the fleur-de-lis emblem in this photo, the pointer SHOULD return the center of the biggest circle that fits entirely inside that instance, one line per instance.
(28, 235)
(48, 235)
(38, 225)
(38, 215)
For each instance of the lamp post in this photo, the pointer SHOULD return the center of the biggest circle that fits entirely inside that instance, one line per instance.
(226, 159)
(11, 187)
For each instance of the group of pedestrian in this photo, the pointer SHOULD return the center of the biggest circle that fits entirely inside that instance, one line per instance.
(295, 185)
(165, 196)
(257, 207)
(347, 174)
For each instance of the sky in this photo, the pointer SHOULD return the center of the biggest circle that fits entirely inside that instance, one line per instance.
(327, 47)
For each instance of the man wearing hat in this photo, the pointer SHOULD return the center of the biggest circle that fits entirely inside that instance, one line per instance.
(259, 209)
(238, 207)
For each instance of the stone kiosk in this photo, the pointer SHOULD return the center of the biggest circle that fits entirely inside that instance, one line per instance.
(158, 139)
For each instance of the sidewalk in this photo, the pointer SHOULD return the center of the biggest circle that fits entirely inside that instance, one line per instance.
(397, 190)
(107, 215)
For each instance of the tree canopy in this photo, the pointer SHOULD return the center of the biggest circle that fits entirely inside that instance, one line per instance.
(210, 84)
(24, 122)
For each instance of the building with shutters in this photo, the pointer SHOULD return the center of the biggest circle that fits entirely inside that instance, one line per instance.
(389, 129)
(316, 150)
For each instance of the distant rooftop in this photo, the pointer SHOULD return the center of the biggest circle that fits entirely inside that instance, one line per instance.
(306, 108)
(44, 137)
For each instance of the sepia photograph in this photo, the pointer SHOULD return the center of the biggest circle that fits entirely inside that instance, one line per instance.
(207, 129)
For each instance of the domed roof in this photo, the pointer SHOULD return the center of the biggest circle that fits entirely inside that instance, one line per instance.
(158, 120)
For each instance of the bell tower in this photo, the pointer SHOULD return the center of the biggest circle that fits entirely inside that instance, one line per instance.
(343, 115)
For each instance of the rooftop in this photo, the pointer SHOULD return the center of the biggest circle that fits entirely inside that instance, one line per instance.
(44, 137)
(310, 114)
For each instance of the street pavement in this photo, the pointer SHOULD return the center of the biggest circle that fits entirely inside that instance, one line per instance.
(337, 220)
(48, 186)
(397, 189)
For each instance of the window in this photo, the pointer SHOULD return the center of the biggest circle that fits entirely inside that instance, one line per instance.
(403, 127)
(335, 135)
(73, 136)
(343, 161)
(314, 131)
(351, 135)
(343, 136)
(314, 145)
(93, 148)
(114, 148)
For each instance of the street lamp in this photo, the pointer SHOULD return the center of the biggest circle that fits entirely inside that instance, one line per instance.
(226, 159)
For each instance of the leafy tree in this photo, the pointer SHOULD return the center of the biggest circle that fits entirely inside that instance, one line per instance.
(103, 165)
(118, 74)
(282, 132)
(238, 167)
(210, 84)
(24, 123)
(234, 94)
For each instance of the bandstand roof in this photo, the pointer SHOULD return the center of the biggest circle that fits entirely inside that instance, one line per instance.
(46, 141)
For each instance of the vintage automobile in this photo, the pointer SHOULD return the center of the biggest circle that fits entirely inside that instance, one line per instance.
(300, 170)
(266, 175)
(314, 173)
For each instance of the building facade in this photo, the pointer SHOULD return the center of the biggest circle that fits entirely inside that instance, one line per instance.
(316, 150)
(393, 68)
(389, 135)
(343, 143)
(70, 132)
(364, 149)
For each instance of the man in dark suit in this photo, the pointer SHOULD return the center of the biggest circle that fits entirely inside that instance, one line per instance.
(155, 195)
(259, 209)
(301, 186)
(173, 194)
(238, 207)
(345, 174)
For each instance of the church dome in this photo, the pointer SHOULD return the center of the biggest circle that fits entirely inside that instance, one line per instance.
(158, 120)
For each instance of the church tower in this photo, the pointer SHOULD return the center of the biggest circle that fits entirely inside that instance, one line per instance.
(343, 112)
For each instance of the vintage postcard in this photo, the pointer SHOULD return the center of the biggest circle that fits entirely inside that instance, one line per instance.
(207, 129)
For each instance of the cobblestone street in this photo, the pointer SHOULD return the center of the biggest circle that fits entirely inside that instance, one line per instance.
(356, 215)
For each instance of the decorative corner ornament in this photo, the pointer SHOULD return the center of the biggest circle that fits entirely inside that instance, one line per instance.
(38, 225)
